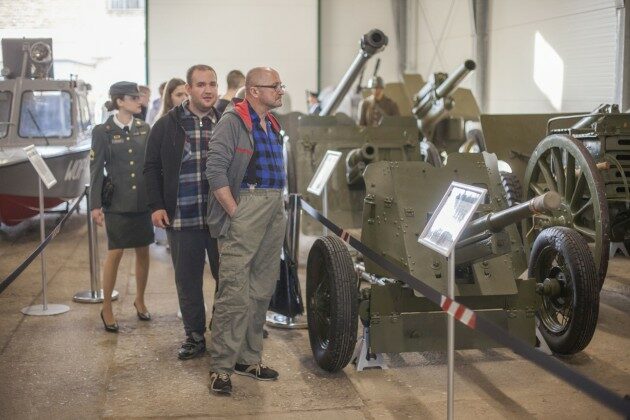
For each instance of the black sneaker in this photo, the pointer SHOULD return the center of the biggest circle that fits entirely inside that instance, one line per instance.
(220, 383)
(195, 345)
(258, 371)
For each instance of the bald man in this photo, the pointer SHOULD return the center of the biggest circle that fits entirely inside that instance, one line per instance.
(245, 171)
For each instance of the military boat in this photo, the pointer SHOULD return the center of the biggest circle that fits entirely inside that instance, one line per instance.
(54, 116)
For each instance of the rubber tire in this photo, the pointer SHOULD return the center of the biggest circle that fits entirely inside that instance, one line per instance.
(329, 255)
(577, 255)
(513, 188)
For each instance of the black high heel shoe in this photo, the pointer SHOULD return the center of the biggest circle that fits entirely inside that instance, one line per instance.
(109, 328)
(142, 316)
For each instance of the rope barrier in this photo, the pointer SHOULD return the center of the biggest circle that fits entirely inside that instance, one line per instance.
(468, 317)
(15, 274)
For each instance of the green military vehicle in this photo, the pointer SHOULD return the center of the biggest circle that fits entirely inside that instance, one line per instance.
(558, 286)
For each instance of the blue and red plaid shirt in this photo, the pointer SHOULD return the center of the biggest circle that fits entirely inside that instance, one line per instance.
(192, 193)
(267, 155)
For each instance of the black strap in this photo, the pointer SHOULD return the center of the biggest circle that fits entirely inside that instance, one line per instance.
(14, 275)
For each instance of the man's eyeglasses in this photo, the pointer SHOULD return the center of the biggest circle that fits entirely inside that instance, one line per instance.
(277, 87)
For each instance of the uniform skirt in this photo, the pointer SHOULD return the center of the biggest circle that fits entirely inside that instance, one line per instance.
(128, 230)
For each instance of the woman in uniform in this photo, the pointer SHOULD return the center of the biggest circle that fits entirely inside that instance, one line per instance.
(118, 148)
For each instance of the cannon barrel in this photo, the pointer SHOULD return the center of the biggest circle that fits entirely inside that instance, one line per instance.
(495, 222)
(455, 78)
(371, 43)
(430, 94)
(588, 120)
(356, 161)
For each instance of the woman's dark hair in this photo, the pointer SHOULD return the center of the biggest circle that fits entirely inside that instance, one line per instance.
(167, 102)
(112, 104)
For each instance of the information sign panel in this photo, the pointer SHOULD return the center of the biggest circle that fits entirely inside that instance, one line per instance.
(324, 171)
(451, 217)
(40, 166)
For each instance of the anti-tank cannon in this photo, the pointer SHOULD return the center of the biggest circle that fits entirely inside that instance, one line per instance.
(432, 105)
(490, 262)
(308, 137)
(434, 100)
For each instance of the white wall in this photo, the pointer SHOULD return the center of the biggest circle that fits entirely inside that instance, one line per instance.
(544, 56)
(549, 56)
(99, 45)
(239, 34)
(445, 37)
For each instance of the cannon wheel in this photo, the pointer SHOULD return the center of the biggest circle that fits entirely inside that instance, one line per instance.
(568, 314)
(332, 303)
(562, 164)
(513, 188)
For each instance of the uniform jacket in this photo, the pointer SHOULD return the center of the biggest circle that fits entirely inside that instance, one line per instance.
(371, 111)
(121, 154)
(229, 154)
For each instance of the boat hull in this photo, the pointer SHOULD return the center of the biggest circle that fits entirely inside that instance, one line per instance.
(19, 184)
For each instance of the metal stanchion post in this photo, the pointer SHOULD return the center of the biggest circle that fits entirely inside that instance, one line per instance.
(295, 229)
(43, 309)
(95, 294)
(325, 205)
(451, 338)
(278, 320)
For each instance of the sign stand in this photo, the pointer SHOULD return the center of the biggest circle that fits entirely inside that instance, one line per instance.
(319, 183)
(45, 176)
(95, 294)
(441, 234)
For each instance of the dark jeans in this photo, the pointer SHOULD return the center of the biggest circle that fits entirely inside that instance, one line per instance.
(188, 251)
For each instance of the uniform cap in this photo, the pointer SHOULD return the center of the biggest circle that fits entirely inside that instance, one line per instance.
(124, 88)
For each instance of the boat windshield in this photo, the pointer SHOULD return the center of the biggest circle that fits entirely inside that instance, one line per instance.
(45, 114)
(5, 112)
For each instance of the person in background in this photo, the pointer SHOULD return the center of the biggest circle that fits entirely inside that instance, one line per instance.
(178, 195)
(374, 107)
(174, 95)
(156, 105)
(245, 171)
(118, 147)
(235, 81)
(312, 103)
(145, 96)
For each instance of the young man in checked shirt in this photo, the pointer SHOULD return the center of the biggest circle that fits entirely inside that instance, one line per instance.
(175, 166)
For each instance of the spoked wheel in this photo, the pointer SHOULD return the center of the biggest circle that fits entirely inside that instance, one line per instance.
(562, 164)
(566, 277)
(331, 303)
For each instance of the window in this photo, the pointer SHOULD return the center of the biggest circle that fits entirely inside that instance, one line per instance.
(125, 4)
(85, 117)
(45, 114)
(5, 112)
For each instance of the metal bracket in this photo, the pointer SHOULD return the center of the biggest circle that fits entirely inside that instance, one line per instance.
(362, 357)
(618, 246)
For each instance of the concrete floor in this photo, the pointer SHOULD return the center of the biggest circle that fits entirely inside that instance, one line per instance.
(67, 366)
